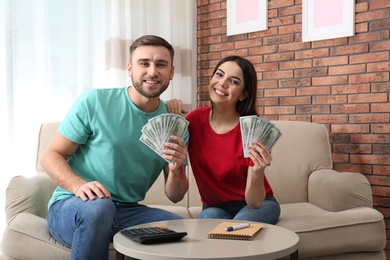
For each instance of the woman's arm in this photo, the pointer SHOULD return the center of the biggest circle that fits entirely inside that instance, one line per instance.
(255, 190)
(175, 106)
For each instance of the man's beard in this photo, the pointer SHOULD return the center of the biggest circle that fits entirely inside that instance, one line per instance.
(144, 93)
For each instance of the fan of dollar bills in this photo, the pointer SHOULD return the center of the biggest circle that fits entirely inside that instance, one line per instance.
(256, 128)
(160, 128)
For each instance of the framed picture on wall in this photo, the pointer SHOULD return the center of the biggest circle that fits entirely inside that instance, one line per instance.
(246, 16)
(327, 19)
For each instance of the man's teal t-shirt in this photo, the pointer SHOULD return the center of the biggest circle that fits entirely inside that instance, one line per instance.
(107, 125)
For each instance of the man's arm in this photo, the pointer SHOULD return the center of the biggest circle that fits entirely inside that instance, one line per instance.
(176, 184)
(54, 162)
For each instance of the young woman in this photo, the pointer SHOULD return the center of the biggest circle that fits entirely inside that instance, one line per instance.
(230, 186)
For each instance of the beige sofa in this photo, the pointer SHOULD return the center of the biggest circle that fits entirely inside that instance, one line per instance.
(330, 211)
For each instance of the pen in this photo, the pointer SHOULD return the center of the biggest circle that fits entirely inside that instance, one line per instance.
(231, 228)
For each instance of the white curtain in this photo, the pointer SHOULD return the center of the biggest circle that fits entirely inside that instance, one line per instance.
(53, 50)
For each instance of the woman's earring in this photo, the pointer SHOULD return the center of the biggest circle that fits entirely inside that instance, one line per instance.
(243, 97)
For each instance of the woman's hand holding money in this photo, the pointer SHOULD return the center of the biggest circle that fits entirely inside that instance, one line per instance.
(255, 191)
(260, 156)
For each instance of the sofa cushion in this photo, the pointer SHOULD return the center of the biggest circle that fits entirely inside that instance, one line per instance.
(302, 149)
(338, 191)
(27, 237)
(27, 233)
(179, 210)
(46, 133)
(323, 232)
(195, 211)
(31, 195)
(377, 255)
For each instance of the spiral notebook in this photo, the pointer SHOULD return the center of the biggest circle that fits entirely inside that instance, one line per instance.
(247, 233)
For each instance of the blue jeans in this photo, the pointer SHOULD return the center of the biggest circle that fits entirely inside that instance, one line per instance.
(88, 227)
(268, 212)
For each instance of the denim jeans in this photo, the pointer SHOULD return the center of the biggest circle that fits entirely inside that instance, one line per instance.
(88, 227)
(268, 212)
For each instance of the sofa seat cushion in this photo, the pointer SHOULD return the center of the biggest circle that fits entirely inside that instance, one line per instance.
(377, 255)
(27, 233)
(323, 232)
(195, 211)
(179, 210)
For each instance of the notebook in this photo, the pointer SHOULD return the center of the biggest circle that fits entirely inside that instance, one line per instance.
(247, 233)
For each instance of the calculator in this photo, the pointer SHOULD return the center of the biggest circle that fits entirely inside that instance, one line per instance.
(152, 235)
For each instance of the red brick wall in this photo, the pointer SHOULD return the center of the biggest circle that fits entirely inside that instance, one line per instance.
(342, 83)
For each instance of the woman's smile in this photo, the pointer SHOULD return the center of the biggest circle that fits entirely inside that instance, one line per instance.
(219, 92)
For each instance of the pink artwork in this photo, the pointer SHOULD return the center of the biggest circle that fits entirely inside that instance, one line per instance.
(248, 10)
(327, 19)
(322, 10)
(245, 16)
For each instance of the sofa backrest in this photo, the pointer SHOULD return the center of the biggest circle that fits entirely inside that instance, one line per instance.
(45, 135)
(303, 148)
(31, 195)
(155, 196)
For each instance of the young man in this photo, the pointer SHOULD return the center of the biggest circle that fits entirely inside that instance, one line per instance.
(102, 168)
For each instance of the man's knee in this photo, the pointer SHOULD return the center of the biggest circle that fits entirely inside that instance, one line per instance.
(98, 210)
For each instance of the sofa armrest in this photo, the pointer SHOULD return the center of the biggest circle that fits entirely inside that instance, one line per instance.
(28, 194)
(337, 191)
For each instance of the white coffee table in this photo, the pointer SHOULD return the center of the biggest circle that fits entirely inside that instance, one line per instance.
(271, 242)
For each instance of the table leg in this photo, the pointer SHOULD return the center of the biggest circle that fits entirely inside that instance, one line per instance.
(294, 256)
(119, 256)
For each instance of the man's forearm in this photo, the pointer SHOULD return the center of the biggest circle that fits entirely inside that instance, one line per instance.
(59, 170)
(176, 184)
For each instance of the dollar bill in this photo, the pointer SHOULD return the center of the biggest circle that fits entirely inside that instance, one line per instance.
(256, 128)
(159, 129)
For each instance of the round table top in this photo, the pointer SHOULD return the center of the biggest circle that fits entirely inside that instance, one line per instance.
(270, 243)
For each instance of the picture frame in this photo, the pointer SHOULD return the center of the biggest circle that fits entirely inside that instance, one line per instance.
(246, 16)
(327, 19)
